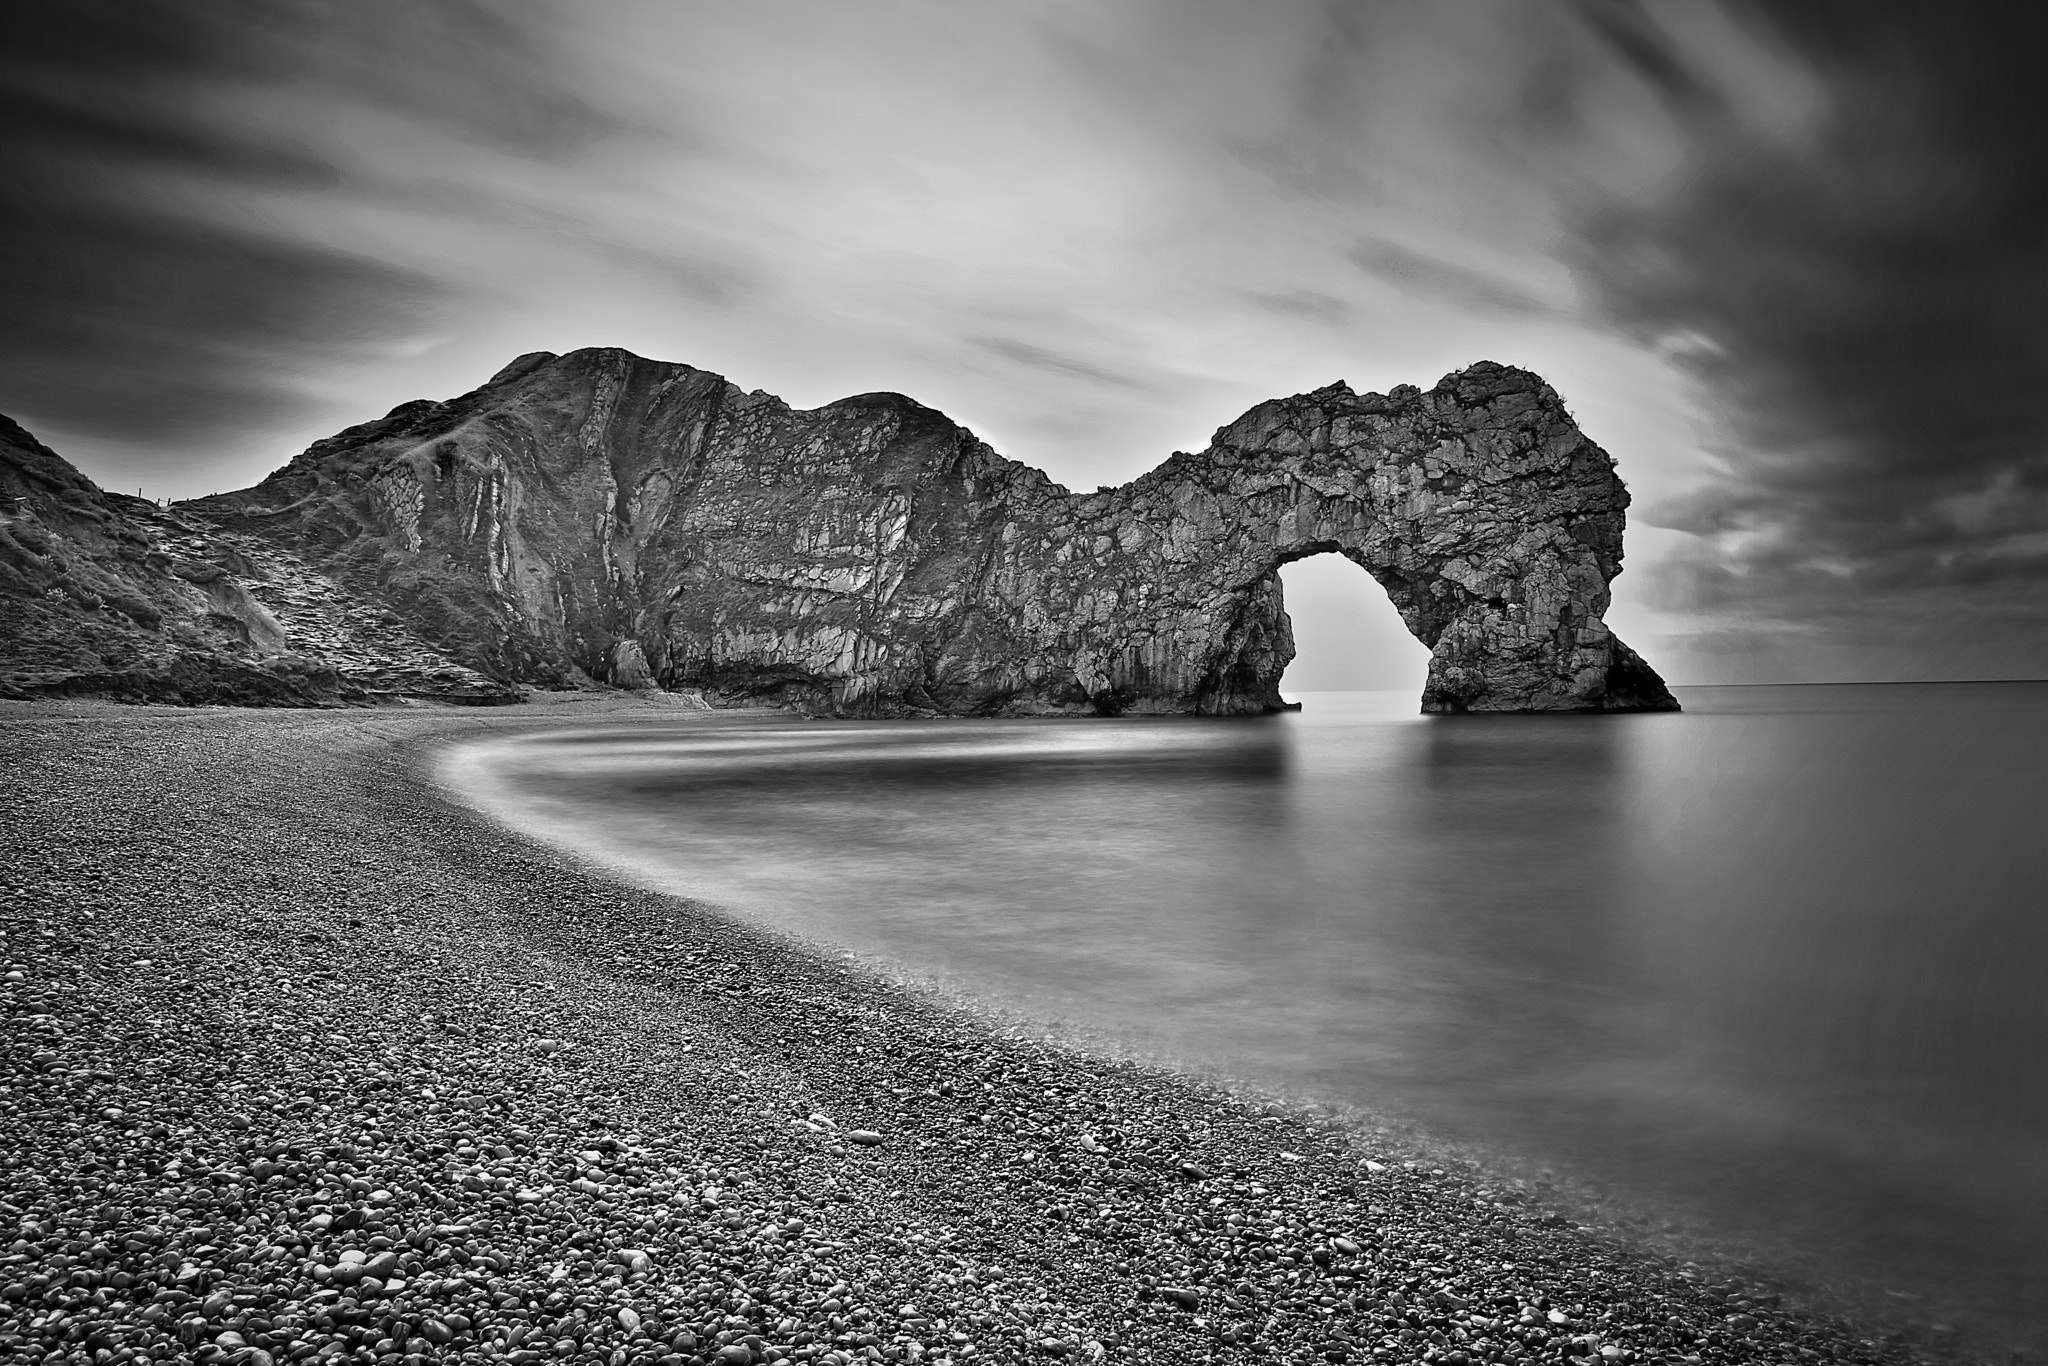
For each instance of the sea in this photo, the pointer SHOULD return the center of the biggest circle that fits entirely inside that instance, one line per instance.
(1773, 969)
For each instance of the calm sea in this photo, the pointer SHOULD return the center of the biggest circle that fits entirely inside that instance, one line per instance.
(1778, 963)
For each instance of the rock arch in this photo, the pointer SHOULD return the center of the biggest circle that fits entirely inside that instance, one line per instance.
(600, 515)
(1491, 521)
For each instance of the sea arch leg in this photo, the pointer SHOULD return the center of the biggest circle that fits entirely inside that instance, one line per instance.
(1521, 633)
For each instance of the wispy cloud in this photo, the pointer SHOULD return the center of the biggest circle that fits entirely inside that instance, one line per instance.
(1786, 261)
(1441, 280)
(153, 306)
(1053, 363)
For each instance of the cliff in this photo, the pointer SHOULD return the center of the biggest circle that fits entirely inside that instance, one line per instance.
(106, 595)
(603, 517)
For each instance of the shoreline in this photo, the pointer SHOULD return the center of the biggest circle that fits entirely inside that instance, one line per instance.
(289, 986)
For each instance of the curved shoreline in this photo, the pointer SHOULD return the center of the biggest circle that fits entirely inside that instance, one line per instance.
(267, 946)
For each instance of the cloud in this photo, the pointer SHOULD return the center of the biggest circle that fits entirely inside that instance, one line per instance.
(141, 327)
(1306, 303)
(1786, 260)
(1870, 285)
(1051, 362)
(152, 299)
(1444, 280)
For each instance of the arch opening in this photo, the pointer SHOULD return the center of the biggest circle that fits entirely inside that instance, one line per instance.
(1347, 635)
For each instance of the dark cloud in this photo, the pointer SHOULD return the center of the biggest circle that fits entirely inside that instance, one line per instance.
(1862, 300)
(1641, 46)
(232, 223)
(150, 301)
(479, 68)
(55, 137)
(151, 331)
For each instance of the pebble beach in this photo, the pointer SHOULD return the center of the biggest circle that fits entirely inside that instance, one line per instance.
(302, 1061)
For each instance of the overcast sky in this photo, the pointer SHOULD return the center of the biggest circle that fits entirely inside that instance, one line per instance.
(1788, 263)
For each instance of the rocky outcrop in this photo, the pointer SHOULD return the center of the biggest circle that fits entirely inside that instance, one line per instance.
(600, 516)
(106, 595)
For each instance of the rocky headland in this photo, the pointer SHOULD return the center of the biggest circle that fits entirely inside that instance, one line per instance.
(600, 518)
(111, 596)
(302, 1062)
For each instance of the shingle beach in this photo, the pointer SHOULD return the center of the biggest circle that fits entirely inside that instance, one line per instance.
(302, 1061)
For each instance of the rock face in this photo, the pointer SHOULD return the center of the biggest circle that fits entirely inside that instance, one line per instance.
(603, 517)
(107, 595)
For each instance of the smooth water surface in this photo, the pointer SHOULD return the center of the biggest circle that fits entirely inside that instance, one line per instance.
(1777, 961)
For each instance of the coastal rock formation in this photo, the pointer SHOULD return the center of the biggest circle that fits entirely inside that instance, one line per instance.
(107, 595)
(602, 517)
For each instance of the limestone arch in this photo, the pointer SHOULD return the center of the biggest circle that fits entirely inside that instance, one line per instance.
(1491, 521)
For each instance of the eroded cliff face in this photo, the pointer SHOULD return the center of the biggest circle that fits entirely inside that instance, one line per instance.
(603, 517)
(111, 596)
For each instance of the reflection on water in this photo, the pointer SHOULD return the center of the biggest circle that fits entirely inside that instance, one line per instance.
(1776, 959)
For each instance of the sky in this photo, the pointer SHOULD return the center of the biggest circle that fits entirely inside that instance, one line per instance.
(1786, 262)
